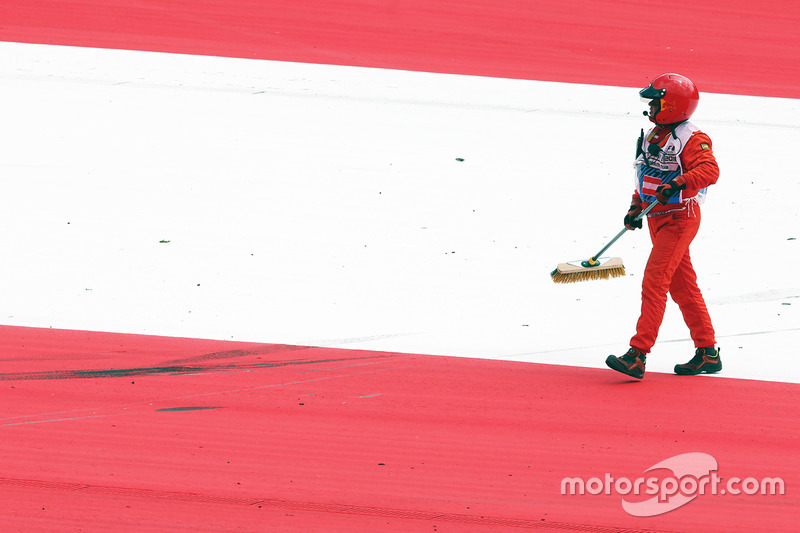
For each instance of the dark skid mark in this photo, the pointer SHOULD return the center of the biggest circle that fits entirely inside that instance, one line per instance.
(190, 408)
(177, 369)
(267, 349)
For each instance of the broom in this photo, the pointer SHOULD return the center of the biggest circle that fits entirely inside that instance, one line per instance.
(594, 268)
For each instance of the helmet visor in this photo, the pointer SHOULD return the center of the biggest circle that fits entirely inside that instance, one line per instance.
(651, 93)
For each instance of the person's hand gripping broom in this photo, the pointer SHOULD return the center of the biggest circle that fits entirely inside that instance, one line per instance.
(595, 267)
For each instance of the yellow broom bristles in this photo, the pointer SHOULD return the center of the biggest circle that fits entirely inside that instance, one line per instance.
(587, 274)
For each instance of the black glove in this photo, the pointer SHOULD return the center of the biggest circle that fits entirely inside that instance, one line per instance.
(630, 219)
(665, 192)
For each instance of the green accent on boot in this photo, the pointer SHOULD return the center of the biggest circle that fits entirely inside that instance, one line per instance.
(705, 361)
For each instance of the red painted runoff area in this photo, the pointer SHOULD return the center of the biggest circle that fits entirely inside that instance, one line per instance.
(111, 432)
(726, 46)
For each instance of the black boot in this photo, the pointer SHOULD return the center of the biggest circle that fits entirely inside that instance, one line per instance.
(632, 363)
(705, 361)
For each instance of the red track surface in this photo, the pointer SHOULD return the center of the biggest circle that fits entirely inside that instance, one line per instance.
(733, 46)
(106, 432)
(135, 433)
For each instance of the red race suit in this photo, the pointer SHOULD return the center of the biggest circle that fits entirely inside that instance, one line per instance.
(682, 154)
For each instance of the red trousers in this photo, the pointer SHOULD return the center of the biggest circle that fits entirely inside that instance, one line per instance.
(669, 269)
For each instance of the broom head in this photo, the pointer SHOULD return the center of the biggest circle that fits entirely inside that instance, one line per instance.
(584, 271)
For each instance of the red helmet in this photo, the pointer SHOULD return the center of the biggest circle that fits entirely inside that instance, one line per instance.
(676, 98)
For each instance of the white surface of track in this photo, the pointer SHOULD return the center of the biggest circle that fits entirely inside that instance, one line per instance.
(378, 209)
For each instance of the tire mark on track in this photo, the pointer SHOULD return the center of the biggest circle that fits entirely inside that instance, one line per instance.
(182, 369)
